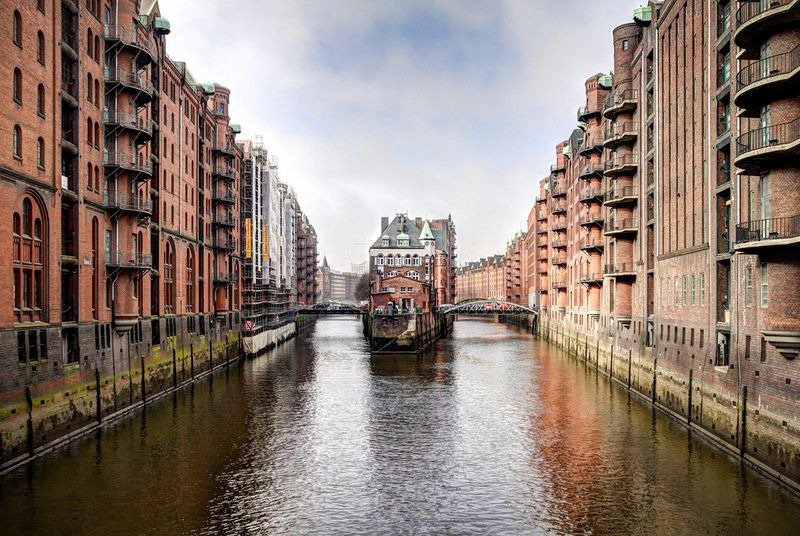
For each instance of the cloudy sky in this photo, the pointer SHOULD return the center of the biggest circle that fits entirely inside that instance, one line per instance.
(427, 107)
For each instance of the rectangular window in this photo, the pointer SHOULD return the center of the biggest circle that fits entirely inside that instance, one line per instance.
(683, 291)
(764, 289)
(702, 288)
(748, 286)
(691, 338)
(763, 356)
(693, 289)
(747, 347)
(677, 295)
(702, 336)
(21, 346)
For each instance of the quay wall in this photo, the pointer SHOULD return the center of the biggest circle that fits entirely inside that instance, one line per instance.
(751, 423)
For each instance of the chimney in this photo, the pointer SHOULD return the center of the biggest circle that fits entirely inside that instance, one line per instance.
(384, 223)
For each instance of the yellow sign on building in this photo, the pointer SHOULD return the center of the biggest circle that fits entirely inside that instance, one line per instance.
(266, 242)
(248, 239)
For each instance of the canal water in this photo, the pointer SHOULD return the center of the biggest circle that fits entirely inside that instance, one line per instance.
(492, 432)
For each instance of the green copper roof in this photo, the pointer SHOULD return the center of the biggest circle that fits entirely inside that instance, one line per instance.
(208, 89)
(426, 233)
(582, 125)
(236, 128)
(402, 236)
(605, 81)
(643, 14)
(161, 25)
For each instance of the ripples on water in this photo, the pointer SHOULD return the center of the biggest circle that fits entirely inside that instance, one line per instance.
(491, 432)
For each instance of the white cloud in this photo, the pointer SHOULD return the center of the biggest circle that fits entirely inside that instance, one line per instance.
(460, 118)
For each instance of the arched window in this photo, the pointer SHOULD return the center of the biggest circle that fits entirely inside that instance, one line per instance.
(413, 274)
(97, 48)
(97, 179)
(40, 153)
(29, 264)
(40, 100)
(40, 47)
(89, 129)
(97, 134)
(97, 92)
(17, 143)
(379, 260)
(40, 5)
(416, 260)
(95, 266)
(407, 260)
(17, 86)
(90, 42)
(169, 278)
(89, 174)
(190, 279)
(89, 87)
(16, 30)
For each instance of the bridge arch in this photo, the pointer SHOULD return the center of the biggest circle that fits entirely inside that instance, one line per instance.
(489, 307)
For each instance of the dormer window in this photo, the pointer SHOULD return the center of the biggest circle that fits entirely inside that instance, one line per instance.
(402, 243)
(385, 242)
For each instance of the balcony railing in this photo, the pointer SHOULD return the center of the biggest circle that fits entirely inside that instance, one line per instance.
(126, 161)
(227, 243)
(768, 229)
(749, 10)
(228, 221)
(591, 243)
(620, 164)
(128, 37)
(224, 279)
(620, 101)
(589, 218)
(559, 189)
(560, 260)
(590, 169)
(560, 224)
(558, 208)
(224, 171)
(624, 224)
(128, 259)
(585, 112)
(127, 120)
(590, 194)
(620, 193)
(771, 136)
(619, 268)
(224, 148)
(617, 133)
(129, 78)
(223, 197)
(559, 243)
(133, 203)
(559, 284)
(593, 277)
(768, 67)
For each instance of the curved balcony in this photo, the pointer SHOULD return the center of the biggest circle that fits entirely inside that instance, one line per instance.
(621, 227)
(589, 195)
(620, 102)
(560, 225)
(224, 279)
(620, 269)
(620, 133)
(622, 195)
(594, 278)
(226, 149)
(541, 216)
(558, 208)
(768, 79)
(142, 126)
(122, 79)
(542, 229)
(587, 112)
(226, 244)
(757, 20)
(136, 204)
(225, 197)
(223, 221)
(590, 170)
(772, 232)
(130, 39)
(225, 173)
(126, 162)
(559, 243)
(590, 218)
(559, 190)
(621, 165)
(127, 260)
(592, 243)
(558, 285)
(589, 145)
(764, 148)
(560, 260)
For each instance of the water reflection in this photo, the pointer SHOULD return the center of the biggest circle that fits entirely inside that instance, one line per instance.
(489, 432)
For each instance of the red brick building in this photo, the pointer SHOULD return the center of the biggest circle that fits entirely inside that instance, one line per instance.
(500, 277)
(670, 223)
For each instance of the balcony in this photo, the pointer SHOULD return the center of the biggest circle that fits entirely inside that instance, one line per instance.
(622, 195)
(590, 218)
(559, 190)
(224, 279)
(126, 162)
(595, 278)
(223, 221)
(541, 229)
(757, 20)
(589, 145)
(226, 149)
(589, 195)
(592, 243)
(122, 79)
(127, 260)
(620, 102)
(560, 284)
(541, 216)
(620, 269)
(68, 92)
(586, 112)
(226, 173)
(225, 197)
(621, 165)
(619, 133)
(129, 39)
(763, 148)
(142, 126)
(560, 260)
(772, 232)
(590, 170)
(129, 203)
(542, 242)
(620, 227)
(227, 244)
(559, 243)
(558, 208)
(769, 79)
(560, 225)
